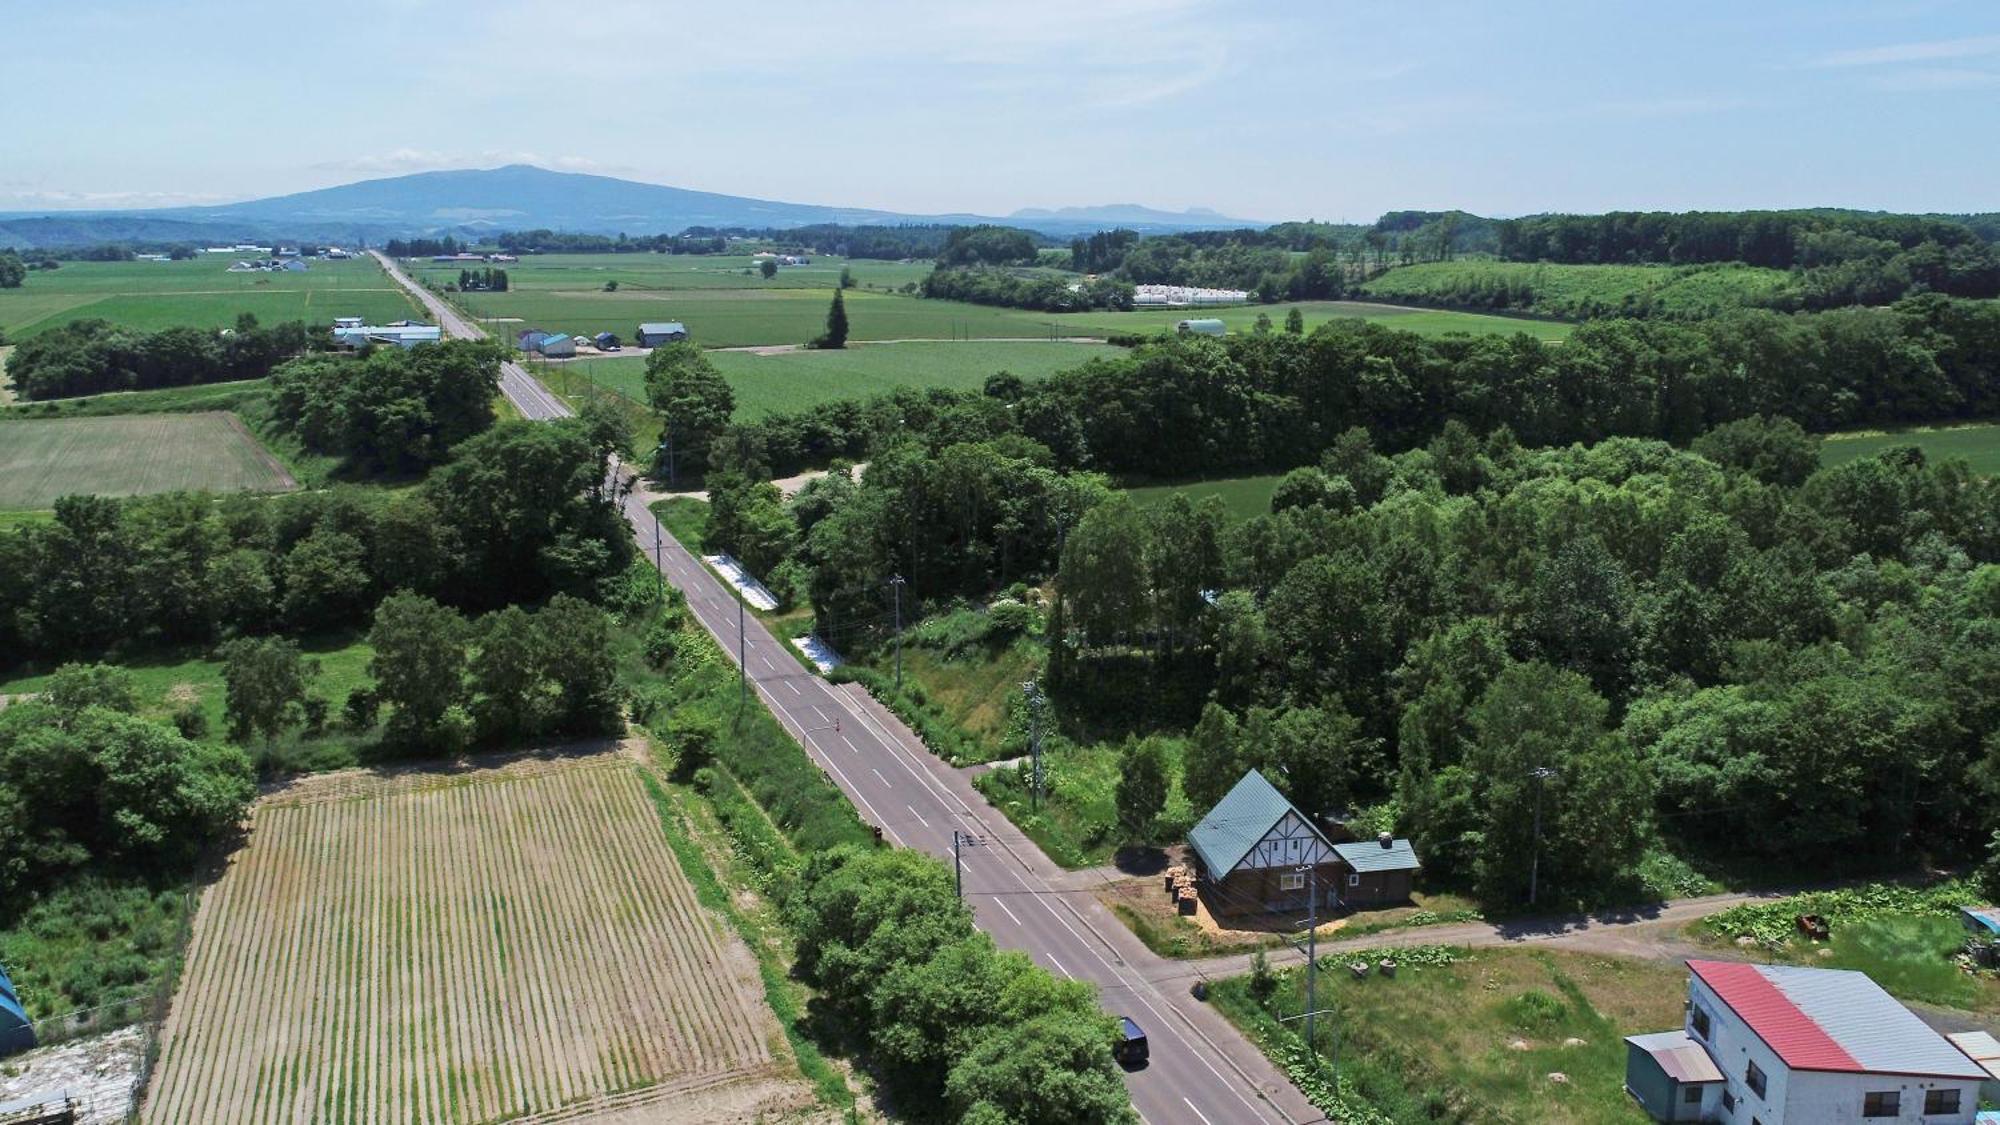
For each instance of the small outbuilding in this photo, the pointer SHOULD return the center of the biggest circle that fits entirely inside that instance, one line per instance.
(664, 332)
(605, 341)
(1206, 326)
(17, 1034)
(555, 345)
(1378, 872)
(1669, 1075)
(1981, 921)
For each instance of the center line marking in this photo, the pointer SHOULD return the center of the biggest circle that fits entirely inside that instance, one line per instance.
(1059, 966)
(918, 815)
(1197, 1112)
(878, 775)
(1003, 906)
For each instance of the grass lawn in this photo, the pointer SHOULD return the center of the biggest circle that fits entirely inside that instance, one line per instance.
(1243, 496)
(42, 459)
(202, 293)
(163, 400)
(788, 381)
(1076, 824)
(1475, 1039)
(652, 272)
(1142, 904)
(1978, 444)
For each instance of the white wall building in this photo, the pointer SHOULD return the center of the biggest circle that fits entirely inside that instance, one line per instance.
(1800, 1046)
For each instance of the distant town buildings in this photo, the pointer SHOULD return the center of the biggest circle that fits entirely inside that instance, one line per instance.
(348, 331)
(1184, 296)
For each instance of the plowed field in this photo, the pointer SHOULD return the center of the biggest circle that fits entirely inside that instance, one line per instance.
(507, 942)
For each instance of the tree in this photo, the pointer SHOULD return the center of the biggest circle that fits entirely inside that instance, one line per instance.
(692, 399)
(1212, 762)
(264, 679)
(575, 640)
(1055, 1069)
(75, 688)
(1142, 788)
(419, 664)
(835, 336)
(1295, 322)
(1103, 571)
(509, 670)
(12, 271)
(768, 267)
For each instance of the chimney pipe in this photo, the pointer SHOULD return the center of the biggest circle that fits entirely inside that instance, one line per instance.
(1386, 840)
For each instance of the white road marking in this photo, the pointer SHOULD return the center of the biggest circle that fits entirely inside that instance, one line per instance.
(1001, 903)
(794, 687)
(1197, 1113)
(878, 775)
(918, 815)
(1059, 966)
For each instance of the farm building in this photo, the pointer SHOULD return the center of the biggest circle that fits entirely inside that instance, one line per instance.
(665, 332)
(1982, 1048)
(400, 335)
(605, 341)
(1783, 1043)
(16, 1034)
(1257, 852)
(554, 345)
(1204, 327)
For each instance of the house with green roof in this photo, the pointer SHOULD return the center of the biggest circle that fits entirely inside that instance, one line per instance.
(1256, 853)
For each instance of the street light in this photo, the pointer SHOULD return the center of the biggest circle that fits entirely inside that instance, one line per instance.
(1540, 774)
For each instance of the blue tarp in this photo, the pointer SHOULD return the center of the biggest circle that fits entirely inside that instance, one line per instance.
(15, 1034)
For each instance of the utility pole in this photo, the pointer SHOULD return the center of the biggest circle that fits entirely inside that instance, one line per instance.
(896, 584)
(1032, 691)
(960, 840)
(742, 653)
(1312, 958)
(1540, 774)
(659, 564)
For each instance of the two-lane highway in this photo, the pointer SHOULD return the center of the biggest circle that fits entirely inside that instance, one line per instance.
(1202, 1071)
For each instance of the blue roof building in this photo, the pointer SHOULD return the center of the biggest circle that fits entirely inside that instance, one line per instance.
(16, 1033)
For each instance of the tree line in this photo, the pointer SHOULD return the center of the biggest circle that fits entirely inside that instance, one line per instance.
(518, 514)
(88, 357)
(392, 410)
(986, 285)
(1777, 239)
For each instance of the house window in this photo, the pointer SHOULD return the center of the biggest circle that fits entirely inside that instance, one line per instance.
(1754, 1078)
(1940, 1101)
(1691, 1094)
(1728, 1100)
(1698, 1018)
(1882, 1103)
(1354, 880)
(1292, 881)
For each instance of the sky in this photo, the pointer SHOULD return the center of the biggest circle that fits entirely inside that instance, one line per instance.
(1324, 109)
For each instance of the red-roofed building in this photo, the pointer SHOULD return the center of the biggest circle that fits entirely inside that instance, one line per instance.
(1800, 1045)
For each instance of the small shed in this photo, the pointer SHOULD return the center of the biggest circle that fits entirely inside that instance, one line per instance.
(1206, 326)
(16, 1033)
(1981, 921)
(556, 345)
(1981, 1048)
(1378, 871)
(1258, 853)
(663, 332)
(605, 341)
(1667, 1073)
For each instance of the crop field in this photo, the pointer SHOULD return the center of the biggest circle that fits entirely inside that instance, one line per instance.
(201, 293)
(489, 943)
(1978, 444)
(675, 271)
(787, 381)
(1583, 290)
(42, 459)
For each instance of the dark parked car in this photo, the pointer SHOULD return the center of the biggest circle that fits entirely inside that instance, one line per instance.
(1130, 1050)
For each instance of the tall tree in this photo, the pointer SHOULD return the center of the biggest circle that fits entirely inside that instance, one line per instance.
(264, 679)
(836, 324)
(419, 664)
(1142, 788)
(693, 400)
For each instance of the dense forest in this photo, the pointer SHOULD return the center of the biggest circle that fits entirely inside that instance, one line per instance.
(1688, 636)
(88, 357)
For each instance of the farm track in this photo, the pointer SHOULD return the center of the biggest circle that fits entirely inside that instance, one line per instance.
(511, 942)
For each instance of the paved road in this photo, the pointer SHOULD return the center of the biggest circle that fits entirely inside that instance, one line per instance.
(1202, 1071)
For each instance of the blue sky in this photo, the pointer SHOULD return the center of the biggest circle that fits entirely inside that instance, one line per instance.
(1326, 109)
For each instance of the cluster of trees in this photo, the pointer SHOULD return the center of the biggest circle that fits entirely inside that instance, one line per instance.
(520, 513)
(12, 270)
(393, 410)
(1175, 407)
(486, 280)
(1101, 252)
(987, 245)
(953, 1025)
(85, 782)
(1778, 239)
(87, 357)
(1728, 643)
(431, 247)
(1044, 292)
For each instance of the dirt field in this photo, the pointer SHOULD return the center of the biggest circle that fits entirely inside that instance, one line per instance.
(499, 942)
(42, 459)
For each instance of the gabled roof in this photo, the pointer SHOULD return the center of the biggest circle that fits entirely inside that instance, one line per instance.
(663, 326)
(1981, 1048)
(1832, 1019)
(1237, 822)
(1373, 855)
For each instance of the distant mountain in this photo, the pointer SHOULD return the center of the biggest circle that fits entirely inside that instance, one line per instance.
(524, 197)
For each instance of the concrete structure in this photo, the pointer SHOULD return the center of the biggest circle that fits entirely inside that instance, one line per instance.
(663, 332)
(1802, 1046)
(1257, 852)
(16, 1034)
(1205, 327)
(400, 335)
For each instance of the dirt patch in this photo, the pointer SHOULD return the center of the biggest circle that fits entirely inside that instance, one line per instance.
(269, 459)
(468, 941)
(98, 1072)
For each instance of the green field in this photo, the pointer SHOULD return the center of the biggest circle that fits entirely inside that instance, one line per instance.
(1243, 496)
(787, 381)
(1978, 444)
(1424, 322)
(571, 272)
(202, 293)
(42, 459)
(1582, 290)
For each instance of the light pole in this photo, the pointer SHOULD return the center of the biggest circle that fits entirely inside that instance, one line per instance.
(960, 840)
(1540, 774)
(896, 585)
(1032, 691)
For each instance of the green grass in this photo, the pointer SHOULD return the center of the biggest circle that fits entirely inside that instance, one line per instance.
(647, 272)
(1585, 290)
(1910, 956)
(1424, 322)
(163, 400)
(1475, 1039)
(1244, 497)
(1978, 444)
(201, 293)
(43, 459)
(88, 943)
(1076, 825)
(163, 680)
(790, 381)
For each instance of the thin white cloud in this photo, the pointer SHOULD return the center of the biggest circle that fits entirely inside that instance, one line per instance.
(1937, 78)
(1970, 47)
(100, 200)
(403, 161)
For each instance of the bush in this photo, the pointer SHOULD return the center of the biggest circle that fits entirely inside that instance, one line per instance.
(361, 709)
